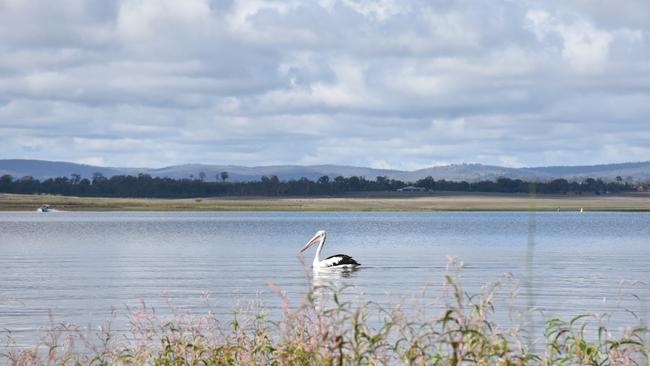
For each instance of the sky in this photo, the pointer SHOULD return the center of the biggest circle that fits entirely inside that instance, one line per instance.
(386, 84)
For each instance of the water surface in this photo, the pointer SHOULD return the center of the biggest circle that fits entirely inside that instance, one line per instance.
(79, 265)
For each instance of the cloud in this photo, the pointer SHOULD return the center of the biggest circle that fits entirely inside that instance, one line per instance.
(584, 48)
(401, 84)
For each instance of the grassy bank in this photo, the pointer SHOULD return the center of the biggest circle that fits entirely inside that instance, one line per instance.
(327, 330)
(388, 201)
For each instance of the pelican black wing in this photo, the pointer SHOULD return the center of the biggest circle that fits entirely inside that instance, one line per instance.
(340, 259)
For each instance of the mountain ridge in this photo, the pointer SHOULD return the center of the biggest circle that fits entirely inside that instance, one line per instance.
(43, 169)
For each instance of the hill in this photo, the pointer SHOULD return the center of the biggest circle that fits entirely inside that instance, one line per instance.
(42, 169)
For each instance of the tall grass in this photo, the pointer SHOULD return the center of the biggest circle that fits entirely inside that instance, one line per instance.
(331, 327)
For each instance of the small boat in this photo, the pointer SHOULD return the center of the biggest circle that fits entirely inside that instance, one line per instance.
(44, 208)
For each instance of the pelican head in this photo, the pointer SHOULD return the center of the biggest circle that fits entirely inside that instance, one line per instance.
(317, 238)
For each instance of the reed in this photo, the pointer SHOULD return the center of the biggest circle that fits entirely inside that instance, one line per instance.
(331, 326)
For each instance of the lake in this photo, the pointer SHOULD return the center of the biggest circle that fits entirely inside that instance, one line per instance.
(77, 265)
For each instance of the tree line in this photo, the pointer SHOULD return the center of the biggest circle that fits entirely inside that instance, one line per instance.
(144, 185)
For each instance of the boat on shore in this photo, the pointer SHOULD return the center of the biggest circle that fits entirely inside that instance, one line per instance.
(44, 208)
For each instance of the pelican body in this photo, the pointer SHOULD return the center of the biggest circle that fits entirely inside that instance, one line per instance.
(337, 261)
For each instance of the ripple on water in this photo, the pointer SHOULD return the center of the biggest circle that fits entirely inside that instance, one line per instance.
(78, 266)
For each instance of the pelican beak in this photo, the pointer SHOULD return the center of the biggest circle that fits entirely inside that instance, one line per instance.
(311, 242)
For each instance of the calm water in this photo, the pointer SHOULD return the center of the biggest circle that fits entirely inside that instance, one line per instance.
(79, 265)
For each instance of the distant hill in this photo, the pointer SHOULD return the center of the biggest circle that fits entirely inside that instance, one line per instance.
(284, 172)
(473, 172)
(41, 169)
(47, 169)
(624, 170)
(467, 172)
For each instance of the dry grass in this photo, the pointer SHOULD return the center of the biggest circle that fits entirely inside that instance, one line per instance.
(374, 202)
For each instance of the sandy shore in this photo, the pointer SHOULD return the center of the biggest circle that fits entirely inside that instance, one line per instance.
(388, 201)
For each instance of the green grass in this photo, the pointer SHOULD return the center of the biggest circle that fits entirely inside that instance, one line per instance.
(382, 201)
(331, 328)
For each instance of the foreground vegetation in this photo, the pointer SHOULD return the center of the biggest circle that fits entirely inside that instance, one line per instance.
(388, 201)
(325, 329)
(145, 186)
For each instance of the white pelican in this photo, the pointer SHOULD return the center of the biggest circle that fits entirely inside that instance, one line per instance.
(337, 261)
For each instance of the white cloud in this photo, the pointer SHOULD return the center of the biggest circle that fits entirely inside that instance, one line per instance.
(379, 10)
(400, 84)
(584, 47)
(149, 21)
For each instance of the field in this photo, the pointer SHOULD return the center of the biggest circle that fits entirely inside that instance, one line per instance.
(381, 201)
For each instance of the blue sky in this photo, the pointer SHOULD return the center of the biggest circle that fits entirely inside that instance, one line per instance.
(388, 84)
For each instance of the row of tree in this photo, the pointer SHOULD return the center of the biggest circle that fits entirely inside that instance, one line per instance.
(144, 185)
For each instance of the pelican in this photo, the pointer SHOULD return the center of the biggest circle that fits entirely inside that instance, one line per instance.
(337, 261)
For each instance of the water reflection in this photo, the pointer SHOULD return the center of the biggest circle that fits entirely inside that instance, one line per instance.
(331, 277)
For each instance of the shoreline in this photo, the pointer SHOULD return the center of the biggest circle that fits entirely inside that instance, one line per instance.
(375, 201)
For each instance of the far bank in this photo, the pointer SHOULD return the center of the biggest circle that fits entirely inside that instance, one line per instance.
(375, 201)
